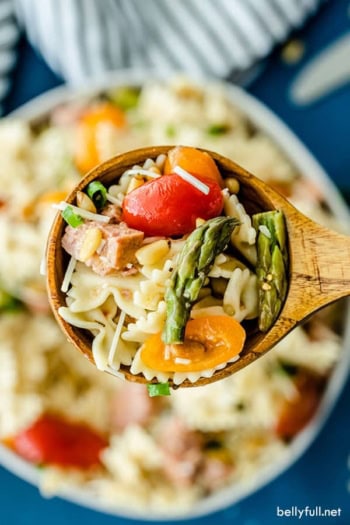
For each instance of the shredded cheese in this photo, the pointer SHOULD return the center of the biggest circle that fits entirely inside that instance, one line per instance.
(191, 180)
(182, 361)
(81, 212)
(43, 266)
(116, 338)
(68, 275)
(146, 173)
(167, 352)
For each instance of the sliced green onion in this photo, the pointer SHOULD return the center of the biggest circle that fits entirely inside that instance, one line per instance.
(8, 303)
(97, 193)
(217, 129)
(158, 389)
(71, 217)
(125, 98)
(170, 131)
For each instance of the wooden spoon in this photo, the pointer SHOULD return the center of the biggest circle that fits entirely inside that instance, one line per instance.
(319, 272)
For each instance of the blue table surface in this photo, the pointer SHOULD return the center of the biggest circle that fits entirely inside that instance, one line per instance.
(321, 476)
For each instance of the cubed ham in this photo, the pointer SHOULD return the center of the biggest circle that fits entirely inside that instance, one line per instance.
(177, 438)
(214, 472)
(67, 114)
(182, 449)
(182, 471)
(114, 212)
(116, 252)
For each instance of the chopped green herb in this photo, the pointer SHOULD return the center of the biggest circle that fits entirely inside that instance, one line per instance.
(141, 124)
(8, 303)
(170, 131)
(125, 97)
(97, 193)
(71, 217)
(158, 389)
(217, 129)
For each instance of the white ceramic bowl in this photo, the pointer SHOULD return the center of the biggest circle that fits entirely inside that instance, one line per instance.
(306, 164)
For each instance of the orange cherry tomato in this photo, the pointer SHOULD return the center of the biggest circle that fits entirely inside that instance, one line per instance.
(295, 413)
(44, 200)
(86, 151)
(170, 206)
(52, 197)
(209, 341)
(194, 161)
(54, 441)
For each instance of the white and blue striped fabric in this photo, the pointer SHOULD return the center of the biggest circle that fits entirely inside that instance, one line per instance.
(8, 38)
(84, 38)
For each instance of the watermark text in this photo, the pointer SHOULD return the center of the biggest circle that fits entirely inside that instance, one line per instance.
(308, 512)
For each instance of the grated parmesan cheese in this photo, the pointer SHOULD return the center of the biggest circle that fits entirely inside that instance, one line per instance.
(182, 361)
(167, 352)
(81, 212)
(191, 180)
(43, 266)
(68, 275)
(146, 173)
(116, 338)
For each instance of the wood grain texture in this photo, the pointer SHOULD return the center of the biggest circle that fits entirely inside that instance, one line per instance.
(319, 271)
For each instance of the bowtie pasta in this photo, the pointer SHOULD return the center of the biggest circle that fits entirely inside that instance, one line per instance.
(178, 256)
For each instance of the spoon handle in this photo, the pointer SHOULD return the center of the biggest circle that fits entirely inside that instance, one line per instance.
(320, 267)
(319, 271)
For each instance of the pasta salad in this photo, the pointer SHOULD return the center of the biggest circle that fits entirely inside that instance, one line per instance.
(166, 265)
(228, 434)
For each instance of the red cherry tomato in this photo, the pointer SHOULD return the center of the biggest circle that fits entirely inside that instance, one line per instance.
(52, 440)
(170, 206)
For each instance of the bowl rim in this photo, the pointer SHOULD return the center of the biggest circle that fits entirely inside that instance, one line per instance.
(297, 153)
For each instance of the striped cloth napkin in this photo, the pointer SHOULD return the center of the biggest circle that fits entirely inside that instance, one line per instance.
(85, 38)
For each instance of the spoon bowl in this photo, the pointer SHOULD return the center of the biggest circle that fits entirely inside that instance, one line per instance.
(319, 261)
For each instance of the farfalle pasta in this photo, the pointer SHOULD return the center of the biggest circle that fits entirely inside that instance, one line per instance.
(173, 249)
(243, 237)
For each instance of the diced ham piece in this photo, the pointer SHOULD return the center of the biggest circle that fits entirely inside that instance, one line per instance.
(67, 114)
(185, 461)
(132, 405)
(181, 471)
(72, 239)
(114, 212)
(214, 472)
(182, 448)
(35, 298)
(116, 252)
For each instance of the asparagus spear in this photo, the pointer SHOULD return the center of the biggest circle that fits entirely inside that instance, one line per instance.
(193, 265)
(272, 266)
